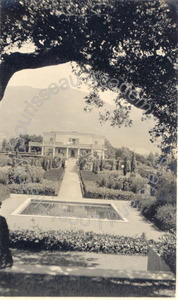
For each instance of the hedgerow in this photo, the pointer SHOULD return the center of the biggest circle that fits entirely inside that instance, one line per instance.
(4, 192)
(71, 240)
(77, 241)
(46, 187)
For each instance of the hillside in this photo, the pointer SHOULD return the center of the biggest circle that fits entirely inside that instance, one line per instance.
(65, 111)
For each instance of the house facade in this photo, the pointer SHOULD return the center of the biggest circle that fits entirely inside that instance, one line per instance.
(69, 144)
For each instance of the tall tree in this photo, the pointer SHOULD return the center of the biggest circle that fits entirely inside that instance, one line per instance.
(115, 42)
(126, 166)
(133, 163)
(5, 145)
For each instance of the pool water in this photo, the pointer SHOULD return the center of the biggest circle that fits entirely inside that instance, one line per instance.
(71, 209)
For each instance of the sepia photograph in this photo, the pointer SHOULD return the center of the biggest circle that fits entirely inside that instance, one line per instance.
(88, 135)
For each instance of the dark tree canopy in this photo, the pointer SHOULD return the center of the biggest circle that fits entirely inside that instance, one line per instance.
(130, 42)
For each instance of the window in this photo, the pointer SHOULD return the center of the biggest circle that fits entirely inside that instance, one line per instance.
(96, 142)
(73, 141)
(51, 139)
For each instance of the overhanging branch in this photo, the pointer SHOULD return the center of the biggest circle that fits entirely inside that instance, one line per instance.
(19, 61)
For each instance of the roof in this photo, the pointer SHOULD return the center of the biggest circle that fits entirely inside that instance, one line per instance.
(73, 133)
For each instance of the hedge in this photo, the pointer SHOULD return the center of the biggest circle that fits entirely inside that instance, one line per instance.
(77, 241)
(114, 180)
(95, 192)
(4, 192)
(165, 217)
(94, 186)
(166, 247)
(25, 173)
(5, 160)
(71, 240)
(47, 188)
(4, 177)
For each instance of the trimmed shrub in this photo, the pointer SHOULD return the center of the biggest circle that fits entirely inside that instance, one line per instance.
(93, 242)
(4, 177)
(5, 160)
(167, 248)
(165, 217)
(144, 171)
(25, 174)
(114, 180)
(77, 241)
(35, 173)
(136, 183)
(93, 191)
(147, 206)
(47, 188)
(18, 175)
(4, 192)
(167, 189)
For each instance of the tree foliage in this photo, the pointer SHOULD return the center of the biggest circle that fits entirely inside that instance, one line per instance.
(114, 42)
(23, 142)
(133, 163)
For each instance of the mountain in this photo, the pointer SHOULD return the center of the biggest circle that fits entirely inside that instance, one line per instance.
(65, 112)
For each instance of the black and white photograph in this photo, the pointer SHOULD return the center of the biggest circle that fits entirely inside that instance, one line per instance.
(88, 136)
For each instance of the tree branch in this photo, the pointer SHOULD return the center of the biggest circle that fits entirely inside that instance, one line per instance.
(19, 61)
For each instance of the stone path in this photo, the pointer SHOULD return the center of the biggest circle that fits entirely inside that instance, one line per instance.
(70, 187)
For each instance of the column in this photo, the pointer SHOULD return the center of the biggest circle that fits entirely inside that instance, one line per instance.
(42, 151)
(103, 154)
(53, 152)
(67, 153)
(29, 149)
(78, 154)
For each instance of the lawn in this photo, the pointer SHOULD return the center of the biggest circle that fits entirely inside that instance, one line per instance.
(54, 174)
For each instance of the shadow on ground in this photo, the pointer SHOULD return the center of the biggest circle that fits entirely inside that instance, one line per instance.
(64, 259)
(45, 285)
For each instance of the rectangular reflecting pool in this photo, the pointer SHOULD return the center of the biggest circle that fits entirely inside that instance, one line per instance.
(55, 208)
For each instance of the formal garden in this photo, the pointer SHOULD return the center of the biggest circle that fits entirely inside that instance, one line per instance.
(118, 177)
(151, 189)
(31, 175)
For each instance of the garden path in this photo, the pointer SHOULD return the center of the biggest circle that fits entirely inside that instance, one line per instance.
(70, 187)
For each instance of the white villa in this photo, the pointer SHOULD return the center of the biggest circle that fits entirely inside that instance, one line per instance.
(70, 144)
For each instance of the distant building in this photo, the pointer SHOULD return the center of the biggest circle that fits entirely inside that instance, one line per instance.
(70, 144)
